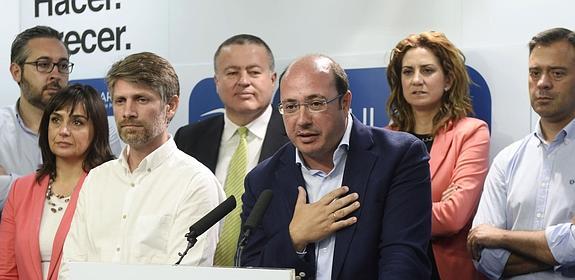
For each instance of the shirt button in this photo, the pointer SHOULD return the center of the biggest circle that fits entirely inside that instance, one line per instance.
(132, 185)
(149, 169)
(124, 216)
(539, 215)
(118, 249)
(302, 274)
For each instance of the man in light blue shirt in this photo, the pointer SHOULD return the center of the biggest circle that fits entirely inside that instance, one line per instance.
(524, 228)
(33, 52)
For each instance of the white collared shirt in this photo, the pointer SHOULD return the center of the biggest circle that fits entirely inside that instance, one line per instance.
(230, 140)
(141, 217)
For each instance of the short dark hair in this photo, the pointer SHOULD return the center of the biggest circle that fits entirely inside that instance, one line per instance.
(245, 39)
(148, 70)
(549, 36)
(19, 52)
(99, 150)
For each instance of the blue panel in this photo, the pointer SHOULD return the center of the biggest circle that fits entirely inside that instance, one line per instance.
(204, 101)
(369, 93)
(100, 86)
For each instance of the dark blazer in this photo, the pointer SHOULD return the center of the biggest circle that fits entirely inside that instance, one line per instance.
(202, 139)
(390, 172)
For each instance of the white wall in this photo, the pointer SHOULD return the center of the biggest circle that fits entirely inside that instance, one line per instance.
(8, 29)
(492, 33)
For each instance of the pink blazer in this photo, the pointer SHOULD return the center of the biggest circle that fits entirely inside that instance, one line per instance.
(20, 228)
(459, 156)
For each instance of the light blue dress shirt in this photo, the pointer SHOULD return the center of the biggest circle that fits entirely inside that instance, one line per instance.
(318, 184)
(531, 186)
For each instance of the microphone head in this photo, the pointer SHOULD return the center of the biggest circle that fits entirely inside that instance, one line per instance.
(213, 216)
(259, 209)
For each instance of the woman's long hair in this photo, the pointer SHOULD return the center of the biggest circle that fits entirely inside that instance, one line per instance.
(456, 101)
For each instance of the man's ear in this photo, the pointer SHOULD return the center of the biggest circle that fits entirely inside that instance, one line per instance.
(16, 72)
(346, 101)
(172, 107)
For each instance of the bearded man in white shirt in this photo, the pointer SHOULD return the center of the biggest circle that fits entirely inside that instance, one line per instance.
(137, 209)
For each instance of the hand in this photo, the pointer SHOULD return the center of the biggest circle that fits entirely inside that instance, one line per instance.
(573, 220)
(315, 221)
(447, 193)
(3, 170)
(483, 236)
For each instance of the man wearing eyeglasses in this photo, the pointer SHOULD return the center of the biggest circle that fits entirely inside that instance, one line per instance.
(41, 67)
(350, 201)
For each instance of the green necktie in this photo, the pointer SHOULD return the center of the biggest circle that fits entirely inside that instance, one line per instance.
(234, 185)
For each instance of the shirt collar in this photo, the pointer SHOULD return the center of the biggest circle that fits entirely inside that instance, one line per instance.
(256, 127)
(341, 148)
(20, 121)
(566, 133)
(154, 159)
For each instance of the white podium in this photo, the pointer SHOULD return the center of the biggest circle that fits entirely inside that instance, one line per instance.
(98, 271)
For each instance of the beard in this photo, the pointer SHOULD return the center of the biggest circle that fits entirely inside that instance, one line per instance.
(34, 95)
(144, 132)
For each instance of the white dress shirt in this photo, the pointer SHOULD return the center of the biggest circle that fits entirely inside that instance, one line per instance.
(530, 187)
(230, 140)
(141, 217)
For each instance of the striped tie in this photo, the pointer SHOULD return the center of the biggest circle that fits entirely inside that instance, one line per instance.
(234, 185)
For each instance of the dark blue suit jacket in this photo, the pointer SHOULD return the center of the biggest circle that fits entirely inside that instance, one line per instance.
(390, 172)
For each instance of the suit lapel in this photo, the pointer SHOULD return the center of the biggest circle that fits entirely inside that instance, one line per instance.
(287, 188)
(275, 136)
(441, 144)
(358, 168)
(208, 147)
(38, 197)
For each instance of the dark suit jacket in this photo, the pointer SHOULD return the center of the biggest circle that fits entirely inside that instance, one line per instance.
(390, 172)
(202, 139)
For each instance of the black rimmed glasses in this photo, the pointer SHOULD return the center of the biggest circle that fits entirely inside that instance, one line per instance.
(46, 66)
(315, 105)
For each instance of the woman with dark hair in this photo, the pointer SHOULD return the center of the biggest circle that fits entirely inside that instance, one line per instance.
(73, 138)
(430, 99)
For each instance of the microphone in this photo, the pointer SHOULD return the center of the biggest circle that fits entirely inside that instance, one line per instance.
(207, 222)
(252, 222)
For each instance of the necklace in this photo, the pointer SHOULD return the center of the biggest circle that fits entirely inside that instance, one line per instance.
(427, 139)
(49, 194)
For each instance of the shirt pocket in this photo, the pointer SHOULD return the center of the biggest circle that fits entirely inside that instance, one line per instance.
(151, 236)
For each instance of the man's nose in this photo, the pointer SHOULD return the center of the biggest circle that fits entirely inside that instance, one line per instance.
(129, 109)
(544, 82)
(244, 78)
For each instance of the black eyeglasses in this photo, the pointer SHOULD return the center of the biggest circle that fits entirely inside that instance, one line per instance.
(46, 66)
(315, 105)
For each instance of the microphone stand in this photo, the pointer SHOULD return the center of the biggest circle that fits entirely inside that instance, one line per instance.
(241, 246)
(192, 239)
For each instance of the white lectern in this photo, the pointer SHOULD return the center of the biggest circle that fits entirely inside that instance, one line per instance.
(98, 271)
